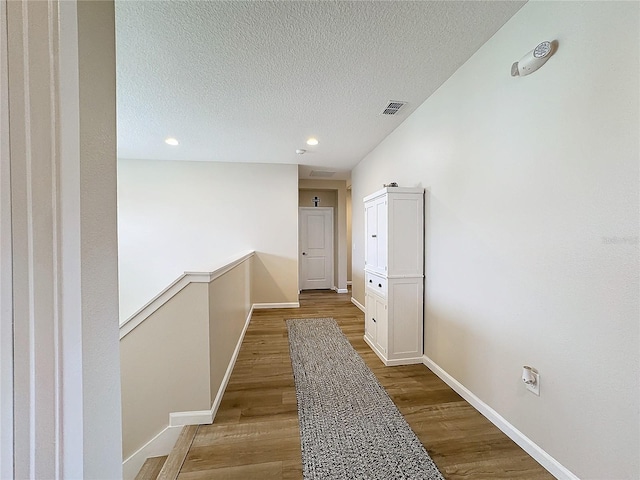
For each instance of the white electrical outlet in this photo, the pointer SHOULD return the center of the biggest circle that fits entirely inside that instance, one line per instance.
(535, 386)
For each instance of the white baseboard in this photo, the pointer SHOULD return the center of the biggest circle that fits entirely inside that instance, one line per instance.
(538, 454)
(197, 417)
(342, 290)
(403, 361)
(258, 306)
(392, 362)
(159, 445)
(357, 304)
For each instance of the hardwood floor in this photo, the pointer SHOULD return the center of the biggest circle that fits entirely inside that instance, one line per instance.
(151, 468)
(255, 434)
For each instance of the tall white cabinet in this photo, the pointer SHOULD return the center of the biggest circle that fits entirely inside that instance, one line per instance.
(394, 274)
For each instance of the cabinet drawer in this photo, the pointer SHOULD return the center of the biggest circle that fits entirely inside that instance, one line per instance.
(376, 284)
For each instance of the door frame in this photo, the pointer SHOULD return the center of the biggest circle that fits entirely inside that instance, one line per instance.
(6, 268)
(333, 241)
(59, 186)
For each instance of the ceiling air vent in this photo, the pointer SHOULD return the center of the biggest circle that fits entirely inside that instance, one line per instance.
(393, 107)
(321, 173)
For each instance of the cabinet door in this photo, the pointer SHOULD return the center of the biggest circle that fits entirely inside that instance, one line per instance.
(371, 232)
(382, 324)
(406, 306)
(382, 238)
(370, 313)
(376, 226)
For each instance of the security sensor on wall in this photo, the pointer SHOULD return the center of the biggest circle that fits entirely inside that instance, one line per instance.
(533, 60)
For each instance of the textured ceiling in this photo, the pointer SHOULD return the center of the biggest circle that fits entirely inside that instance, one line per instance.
(239, 81)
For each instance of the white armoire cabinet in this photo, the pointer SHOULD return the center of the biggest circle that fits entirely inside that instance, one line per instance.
(394, 274)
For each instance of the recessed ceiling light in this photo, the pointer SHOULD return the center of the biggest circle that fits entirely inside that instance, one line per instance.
(312, 141)
(171, 141)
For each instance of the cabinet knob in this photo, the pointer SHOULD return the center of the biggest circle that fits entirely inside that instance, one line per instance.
(370, 281)
(380, 285)
(374, 236)
(374, 320)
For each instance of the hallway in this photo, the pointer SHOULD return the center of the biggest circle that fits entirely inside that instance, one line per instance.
(255, 434)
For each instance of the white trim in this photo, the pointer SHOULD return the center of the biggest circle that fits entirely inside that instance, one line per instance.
(342, 290)
(6, 269)
(226, 267)
(357, 304)
(174, 288)
(232, 363)
(262, 306)
(196, 417)
(159, 445)
(386, 190)
(349, 282)
(392, 362)
(145, 312)
(543, 458)
(404, 361)
(38, 187)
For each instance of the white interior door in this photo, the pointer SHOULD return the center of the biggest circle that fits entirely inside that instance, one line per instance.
(316, 247)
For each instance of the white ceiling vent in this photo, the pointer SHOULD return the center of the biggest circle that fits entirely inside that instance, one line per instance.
(393, 107)
(321, 173)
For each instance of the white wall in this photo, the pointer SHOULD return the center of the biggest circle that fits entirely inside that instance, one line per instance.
(349, 236)
(532, 223)
(96, 208)
(192, 216)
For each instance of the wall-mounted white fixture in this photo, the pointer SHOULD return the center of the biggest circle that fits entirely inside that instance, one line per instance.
(171, 141)
(301, 151)
(531, 379)
(533, 60)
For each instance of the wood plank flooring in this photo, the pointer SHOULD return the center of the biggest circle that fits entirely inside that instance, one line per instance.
(173, 464)
(151, 468)
(255, 434)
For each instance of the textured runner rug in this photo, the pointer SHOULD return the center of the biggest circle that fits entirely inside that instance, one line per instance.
(349, 427)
